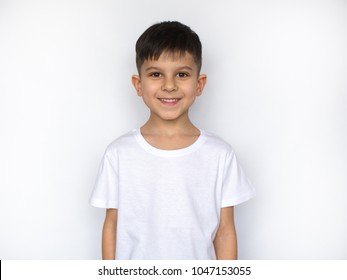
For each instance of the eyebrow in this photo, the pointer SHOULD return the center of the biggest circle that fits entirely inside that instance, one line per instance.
(151, 68)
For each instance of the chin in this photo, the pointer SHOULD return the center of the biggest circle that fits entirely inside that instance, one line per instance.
(169, 118)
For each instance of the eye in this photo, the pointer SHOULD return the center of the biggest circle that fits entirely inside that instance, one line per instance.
(182, 75)
(155, 74)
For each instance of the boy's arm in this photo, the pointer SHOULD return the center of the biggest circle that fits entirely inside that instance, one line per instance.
(109, 235)
(225, 242)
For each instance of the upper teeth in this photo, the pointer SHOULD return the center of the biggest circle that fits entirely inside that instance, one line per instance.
(169, 100)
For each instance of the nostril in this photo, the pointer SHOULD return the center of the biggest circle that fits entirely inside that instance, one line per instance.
(167, 87)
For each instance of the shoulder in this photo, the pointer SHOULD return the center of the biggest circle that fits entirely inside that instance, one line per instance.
(217, 143)
(123, 141)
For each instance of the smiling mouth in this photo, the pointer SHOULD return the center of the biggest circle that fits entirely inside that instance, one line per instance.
(169, 100)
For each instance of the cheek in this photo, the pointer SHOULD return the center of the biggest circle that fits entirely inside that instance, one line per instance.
(190, 89)
(150, 88)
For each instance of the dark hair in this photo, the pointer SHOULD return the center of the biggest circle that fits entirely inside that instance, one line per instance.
(170, 36)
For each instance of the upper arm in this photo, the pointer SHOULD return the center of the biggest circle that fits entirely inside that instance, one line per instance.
(226, 224)
(225, 241)
(109, 235)
(111, 216)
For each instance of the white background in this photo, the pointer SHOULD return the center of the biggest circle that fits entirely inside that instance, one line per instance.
(277, 91)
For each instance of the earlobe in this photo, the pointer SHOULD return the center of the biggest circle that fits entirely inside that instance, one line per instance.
(201, 84)
(136, 81)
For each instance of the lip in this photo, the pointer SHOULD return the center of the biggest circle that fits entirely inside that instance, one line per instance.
(169, 101)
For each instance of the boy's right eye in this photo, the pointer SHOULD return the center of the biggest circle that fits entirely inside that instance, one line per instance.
(155, 74)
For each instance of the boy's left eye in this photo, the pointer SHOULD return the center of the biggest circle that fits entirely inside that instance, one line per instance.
(182, 75)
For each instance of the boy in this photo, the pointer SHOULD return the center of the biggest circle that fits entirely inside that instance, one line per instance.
(169, 188)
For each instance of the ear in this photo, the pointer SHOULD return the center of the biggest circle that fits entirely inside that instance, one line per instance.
(136, 80)
(202, 79)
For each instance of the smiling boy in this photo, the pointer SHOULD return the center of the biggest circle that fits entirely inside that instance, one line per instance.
(169, 187)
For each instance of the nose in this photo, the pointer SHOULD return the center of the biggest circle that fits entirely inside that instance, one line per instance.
(169, 85)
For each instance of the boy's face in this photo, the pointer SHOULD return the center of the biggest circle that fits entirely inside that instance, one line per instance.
(169, 85)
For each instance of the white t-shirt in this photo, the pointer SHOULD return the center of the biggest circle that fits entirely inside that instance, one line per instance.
(168, 201)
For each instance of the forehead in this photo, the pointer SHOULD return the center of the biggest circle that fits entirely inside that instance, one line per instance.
(168, 60)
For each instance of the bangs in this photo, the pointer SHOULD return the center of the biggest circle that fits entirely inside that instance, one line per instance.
(172, 38)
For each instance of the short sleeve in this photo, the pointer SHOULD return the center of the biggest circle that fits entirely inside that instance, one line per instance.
(105, 192)
(236, 188)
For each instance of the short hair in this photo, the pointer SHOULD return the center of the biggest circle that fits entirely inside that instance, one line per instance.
(168, 36)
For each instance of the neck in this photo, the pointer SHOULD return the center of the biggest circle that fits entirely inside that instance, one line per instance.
(157, 126)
